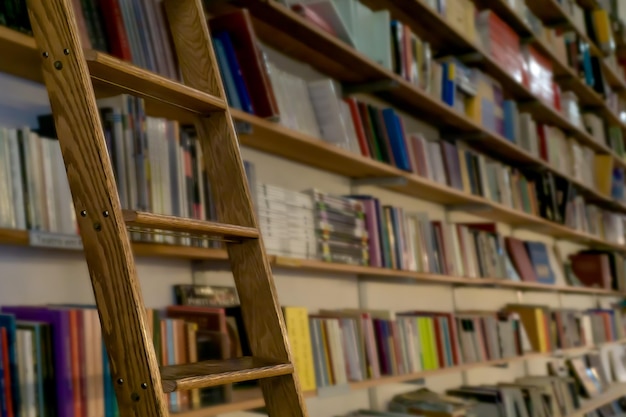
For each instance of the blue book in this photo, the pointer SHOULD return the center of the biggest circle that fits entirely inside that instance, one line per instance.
(235, 69)
(4, 412)
(443, 321)
(60, 327)
(171, 359)
(7, 321)
(510, 120)
(538, 254)
(227, 77)
(587, 66)
(395, 223)
(617, 184)
(396, 139)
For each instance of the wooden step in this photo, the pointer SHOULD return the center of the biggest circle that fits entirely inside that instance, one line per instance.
(191, 226)
(219, 372)
(112, 76)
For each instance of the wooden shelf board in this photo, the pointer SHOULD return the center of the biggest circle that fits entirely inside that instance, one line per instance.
(158, 250)
(428, 278)
(278, 140)
(14, 237)
(613, 393)
(252, 398)
(20, 55)
(508, 14)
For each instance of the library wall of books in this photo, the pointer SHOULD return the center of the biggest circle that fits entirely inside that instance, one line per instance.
(440, 186)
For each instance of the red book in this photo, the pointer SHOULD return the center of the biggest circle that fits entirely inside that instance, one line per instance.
(358, 126)
(519, 256)
(115, 30)
(4, 340)
(238, 24)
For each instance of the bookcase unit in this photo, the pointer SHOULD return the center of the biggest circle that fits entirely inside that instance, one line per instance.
(316, 163)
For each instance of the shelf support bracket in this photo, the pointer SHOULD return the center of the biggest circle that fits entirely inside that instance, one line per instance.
(380, 181)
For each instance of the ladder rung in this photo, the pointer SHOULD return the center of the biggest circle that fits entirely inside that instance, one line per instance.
(123, 77)
(219, 372)
(191, 226)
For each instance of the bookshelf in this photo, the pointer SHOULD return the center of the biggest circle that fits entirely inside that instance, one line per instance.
(288, 32)
(154, 250)
(248, 399)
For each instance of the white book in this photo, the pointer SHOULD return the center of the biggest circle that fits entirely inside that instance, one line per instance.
(38, 201)
(49, 185)
(7, 214)
(62, 197)
(325, 100)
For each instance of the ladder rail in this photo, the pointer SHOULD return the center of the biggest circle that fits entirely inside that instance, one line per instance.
(260, 308)
(105, 239)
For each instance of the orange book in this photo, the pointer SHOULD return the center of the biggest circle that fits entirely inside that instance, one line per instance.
(75, 362)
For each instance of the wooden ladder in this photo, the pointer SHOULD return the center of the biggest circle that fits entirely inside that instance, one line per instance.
(140, 383)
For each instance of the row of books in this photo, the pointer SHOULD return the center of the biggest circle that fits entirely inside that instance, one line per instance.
(354, 230)
(135, 30)
(53, 361)
(358, 229)
(379, 133)
(562, 391)
(354, 345)
(43, 373)
(158, 167)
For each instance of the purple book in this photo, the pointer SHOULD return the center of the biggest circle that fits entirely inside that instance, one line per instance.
(59, 323)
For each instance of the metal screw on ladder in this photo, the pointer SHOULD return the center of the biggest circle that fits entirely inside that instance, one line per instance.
(66, 51)
(46, 54)
(58, 65)
(120, 381)
(83, 213)
(97, 227)
(135, 397)
(144, 385)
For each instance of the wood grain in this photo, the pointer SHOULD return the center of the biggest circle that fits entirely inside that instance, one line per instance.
(115, 77)
(220, 372)
(191, 226)
(250, 266)
(107, 247)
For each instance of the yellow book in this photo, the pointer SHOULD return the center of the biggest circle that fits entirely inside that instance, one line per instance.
(470, 23)
(299, 335)
(329, 369)
(432, 339)
(603, 167)
(533, 320)
(602, 26)
(422, 323)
